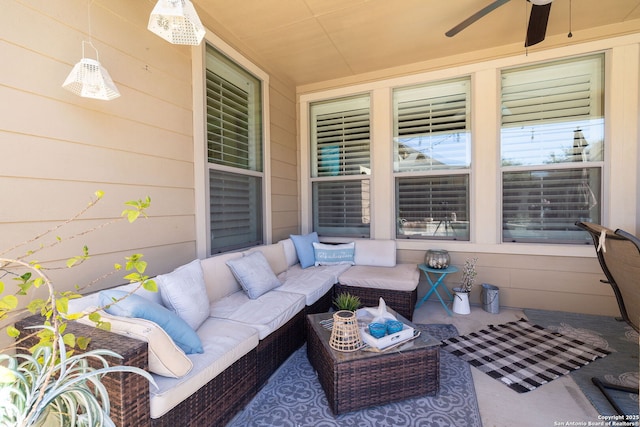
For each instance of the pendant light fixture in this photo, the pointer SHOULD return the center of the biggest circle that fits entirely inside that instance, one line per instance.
(88, 78)
(177, 22)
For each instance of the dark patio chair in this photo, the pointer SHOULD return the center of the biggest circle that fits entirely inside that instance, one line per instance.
(619, 256)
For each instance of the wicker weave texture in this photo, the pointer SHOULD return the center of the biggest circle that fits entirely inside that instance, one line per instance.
(128, 393)
(275, 348)
(404, 302)
(323, 304)
(356, 383)
(216, 403)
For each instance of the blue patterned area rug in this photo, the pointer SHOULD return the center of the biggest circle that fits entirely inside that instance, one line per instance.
(619, 367)
(293, 397)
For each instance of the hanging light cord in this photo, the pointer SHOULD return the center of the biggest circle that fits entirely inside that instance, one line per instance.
(570, 33)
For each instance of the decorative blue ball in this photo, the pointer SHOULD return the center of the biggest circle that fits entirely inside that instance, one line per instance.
(377, 330)
(394, 326)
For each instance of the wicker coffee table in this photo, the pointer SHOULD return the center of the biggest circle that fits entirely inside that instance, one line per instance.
(360, 379)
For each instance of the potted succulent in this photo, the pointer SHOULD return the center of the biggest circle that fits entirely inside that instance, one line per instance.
(52, 383)
(461, 297)
(347, 301)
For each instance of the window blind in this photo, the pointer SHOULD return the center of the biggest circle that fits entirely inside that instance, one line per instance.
(340, 147)
(234, 154)
(543, 106)
(235, 221)
(431, 126)
(433, 206)
(227, 123)
(340, 135)
(545, 204)
(342, 207)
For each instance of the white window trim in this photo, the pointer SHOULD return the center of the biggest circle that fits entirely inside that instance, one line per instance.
(201, 171)
(621, 187)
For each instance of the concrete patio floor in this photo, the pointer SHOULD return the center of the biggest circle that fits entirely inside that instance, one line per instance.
(558, 403)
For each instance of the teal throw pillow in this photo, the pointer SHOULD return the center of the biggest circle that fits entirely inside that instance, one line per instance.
(141, 308)
(334, 254)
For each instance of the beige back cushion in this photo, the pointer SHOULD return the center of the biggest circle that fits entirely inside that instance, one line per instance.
(218, 278)
(275, 255)
(289, 252)
(376, 253)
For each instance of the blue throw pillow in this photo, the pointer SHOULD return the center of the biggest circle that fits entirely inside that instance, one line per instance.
(334, 254)
(139, 307)
(304, 248)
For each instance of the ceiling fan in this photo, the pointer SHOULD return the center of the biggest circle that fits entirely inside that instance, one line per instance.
(537, 20)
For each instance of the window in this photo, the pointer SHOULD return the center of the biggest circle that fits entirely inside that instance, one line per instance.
(432, 158)
(234, 154)
(552, 145)
(340, 166)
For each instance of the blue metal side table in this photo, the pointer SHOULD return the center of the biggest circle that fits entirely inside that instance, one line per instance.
(439, 274)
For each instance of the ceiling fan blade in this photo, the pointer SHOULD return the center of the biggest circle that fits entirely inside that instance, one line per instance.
(473, 18)
(537, 24)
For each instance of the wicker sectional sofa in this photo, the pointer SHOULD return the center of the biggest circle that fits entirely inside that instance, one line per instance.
(245, 336)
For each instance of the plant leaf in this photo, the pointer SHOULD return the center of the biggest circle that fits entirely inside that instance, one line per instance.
(83, 342)
(13, 332)
(8, 302)
(150, 285)
(6, 375)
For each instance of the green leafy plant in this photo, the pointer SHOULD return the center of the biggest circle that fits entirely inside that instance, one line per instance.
(347, 301)
(53, 382)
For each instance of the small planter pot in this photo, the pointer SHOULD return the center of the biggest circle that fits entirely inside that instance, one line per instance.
(461, 301)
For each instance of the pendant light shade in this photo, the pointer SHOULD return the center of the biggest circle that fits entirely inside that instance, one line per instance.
(177, 22)
(89, 79)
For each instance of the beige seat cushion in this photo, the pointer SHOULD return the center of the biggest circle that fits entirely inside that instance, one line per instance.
(224, 343)
(402, 277)
(266, 313)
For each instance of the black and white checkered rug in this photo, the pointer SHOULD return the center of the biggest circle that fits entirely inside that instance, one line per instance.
(522, 355)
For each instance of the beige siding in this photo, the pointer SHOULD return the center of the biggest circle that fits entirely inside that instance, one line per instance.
(58, 148)
(284, 165)
(527, 281)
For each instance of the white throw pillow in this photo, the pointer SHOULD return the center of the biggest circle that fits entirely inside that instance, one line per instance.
(254, 274)
(183, 291)
(165, 357)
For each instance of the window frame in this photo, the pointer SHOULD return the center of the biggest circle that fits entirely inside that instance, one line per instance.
(620, 103)
(597, 91)
(345, 172)
(441, 89)
(201, 168)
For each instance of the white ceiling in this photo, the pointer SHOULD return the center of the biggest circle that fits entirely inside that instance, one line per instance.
(317, 40)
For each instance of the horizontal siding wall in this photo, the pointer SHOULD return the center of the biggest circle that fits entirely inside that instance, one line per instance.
(531, 281)
(59, 148)
(284, 162)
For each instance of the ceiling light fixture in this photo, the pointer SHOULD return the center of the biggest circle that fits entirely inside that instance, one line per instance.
(177, 22)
